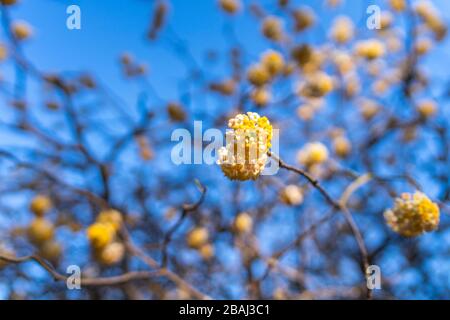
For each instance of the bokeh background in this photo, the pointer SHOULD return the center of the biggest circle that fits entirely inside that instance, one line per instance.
(87, 116)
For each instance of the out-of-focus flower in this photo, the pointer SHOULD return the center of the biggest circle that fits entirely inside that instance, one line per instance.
(8, 2)
(226, 87)
(423, 46)
(3, 52)
(342, 29)
(176, 112)
(426, 108)
(413, 215)
(343, 61)
(243, 223)
(272, 28)
(230, 6)
(273, 62)
(398, 5)
(40, 205)
(112, 217)
(303, 18)
(245, 154)
(316, 85)
(430, 16)
(100, 234)
(206, 251)
(291, 195)
(258, 75)
(21, 30)
(312, 154)
(305, 112)
(197, 237)
(51, 250)
(342, 146)
(111, 254)
(40, 230)
(261, 96)
(370, 49)
(386, 20)
(368, 108)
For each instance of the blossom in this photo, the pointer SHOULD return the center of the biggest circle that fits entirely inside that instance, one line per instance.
(291, 195)
(21, 30)
(312, 153)
(40, 205)
(258, 75)
(342, 29)
(197, 237)
(260, 96)
(412, 215)
(273, 62)
(230, 6)
(111, 254)
(245, 154)
(243, 223)
(427, 108)
(316, 85)
(40, 231)
(342, 146)
(100, 234)
(272, 28)
(112, 217)
(370, 49)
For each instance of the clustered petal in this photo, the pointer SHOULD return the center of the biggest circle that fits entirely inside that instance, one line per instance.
(245, 155)
(413, 215)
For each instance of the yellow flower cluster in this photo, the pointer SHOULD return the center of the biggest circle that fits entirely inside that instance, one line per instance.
(312, 154)
(198, 239)
(370, 49)
(21, 30)
(272, 28)
(230, 6)
(243, 223)
(292, 195)
(342, 29)
(316, 85)
(102, 235)
(41, 231)
(245, 154)
(412, 215)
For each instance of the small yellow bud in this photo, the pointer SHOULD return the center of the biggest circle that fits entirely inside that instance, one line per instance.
(272, 28)
(112, 217)
(21, 30)
(427, 108)
(370, 49)
(230, 6)
(243, 223)
(291, 195)
(273, 62)
(260, 96)
(51, 250)
(100, 234)
(111, 254)
(342, 146)
(176, 112)
(40, 205)
(40, 230)
(258, 75)
(342, 29)
(206, 251)
(197, 237)
(312, 154)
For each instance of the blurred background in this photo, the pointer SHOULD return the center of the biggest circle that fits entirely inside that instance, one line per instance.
(85, 128)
